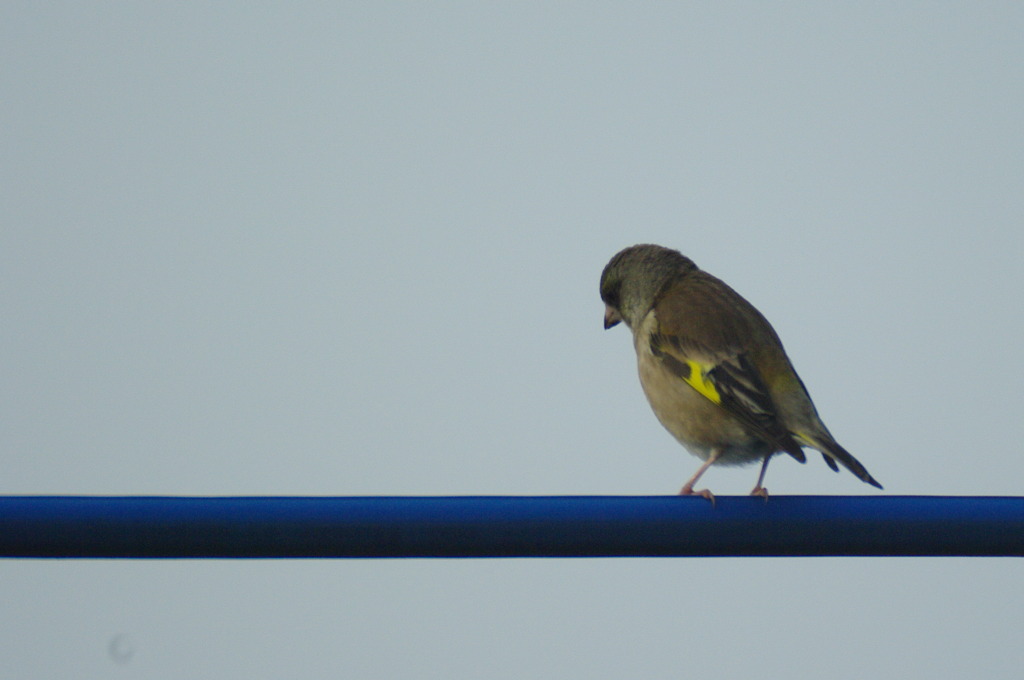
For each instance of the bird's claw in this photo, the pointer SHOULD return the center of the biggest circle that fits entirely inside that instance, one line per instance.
(760, 491)
(706, 493)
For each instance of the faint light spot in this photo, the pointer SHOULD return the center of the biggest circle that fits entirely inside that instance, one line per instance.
(121, 648)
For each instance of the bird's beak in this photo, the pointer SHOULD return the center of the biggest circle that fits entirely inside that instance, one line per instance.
(611, 317)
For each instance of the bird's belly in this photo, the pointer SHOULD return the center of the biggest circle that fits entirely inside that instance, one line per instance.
(697, 423)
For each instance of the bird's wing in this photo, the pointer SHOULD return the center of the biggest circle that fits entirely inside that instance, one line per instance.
(732, 383)
(701, 340)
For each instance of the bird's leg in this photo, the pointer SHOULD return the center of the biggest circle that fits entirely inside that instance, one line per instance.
(758, 489)
(687, 489)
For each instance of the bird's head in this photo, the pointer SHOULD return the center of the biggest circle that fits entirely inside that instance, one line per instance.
(632, 279)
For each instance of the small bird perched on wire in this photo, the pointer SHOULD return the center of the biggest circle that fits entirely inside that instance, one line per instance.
(712, 367)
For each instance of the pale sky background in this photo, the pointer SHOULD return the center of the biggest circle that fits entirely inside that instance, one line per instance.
(354, 248)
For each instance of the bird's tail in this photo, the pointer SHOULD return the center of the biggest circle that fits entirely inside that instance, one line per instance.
(833, 452)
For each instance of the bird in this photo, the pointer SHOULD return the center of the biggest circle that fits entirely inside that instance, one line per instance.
(712, 367)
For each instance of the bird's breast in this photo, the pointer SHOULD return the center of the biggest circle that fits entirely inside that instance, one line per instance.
(696, 422)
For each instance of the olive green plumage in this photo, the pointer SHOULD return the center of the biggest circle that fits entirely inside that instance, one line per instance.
(712, 367)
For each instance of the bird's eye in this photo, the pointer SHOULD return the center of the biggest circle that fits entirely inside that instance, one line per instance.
(610, 295)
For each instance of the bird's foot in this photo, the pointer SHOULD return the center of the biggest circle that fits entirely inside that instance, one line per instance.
(688, 490)
(760, 491)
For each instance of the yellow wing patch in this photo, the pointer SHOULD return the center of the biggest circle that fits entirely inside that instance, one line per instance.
(698, 380)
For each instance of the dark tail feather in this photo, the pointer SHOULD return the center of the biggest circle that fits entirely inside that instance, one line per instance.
(831, 463)
(833, 450)
(793, 449)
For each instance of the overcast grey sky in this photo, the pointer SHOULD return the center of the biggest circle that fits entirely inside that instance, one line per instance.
(354, 248)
